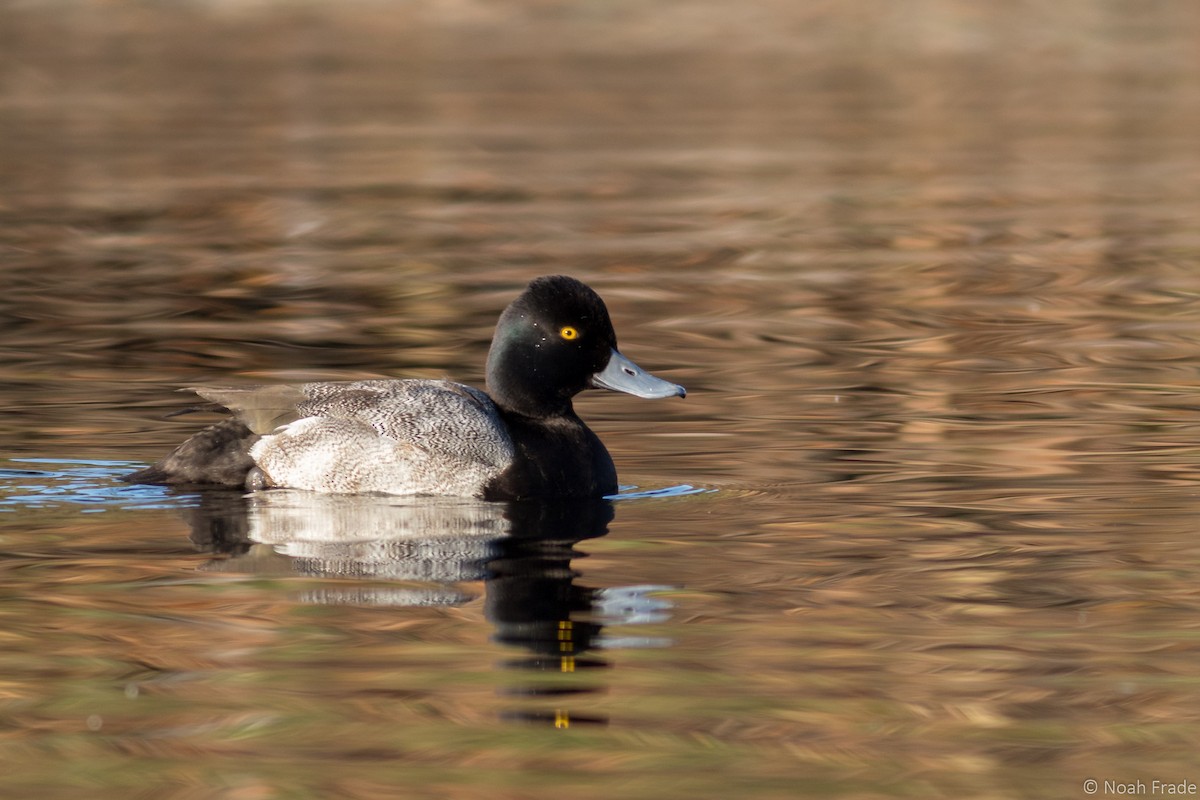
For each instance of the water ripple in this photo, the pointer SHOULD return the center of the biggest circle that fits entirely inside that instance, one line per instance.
(94, 484)
(681, 490)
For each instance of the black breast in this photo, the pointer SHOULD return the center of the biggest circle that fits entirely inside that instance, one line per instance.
(555, 457)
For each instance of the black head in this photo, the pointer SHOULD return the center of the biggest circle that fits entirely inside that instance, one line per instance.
(548, 344)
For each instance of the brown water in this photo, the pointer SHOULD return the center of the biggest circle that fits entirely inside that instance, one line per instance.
(929, 271)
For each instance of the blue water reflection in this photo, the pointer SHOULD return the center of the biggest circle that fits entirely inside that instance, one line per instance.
(93, 483)
(97, 482)
(682, 490)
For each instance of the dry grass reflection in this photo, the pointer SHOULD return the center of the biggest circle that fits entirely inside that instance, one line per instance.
(929, 272)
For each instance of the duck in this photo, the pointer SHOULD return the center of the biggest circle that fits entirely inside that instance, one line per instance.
(519, 439)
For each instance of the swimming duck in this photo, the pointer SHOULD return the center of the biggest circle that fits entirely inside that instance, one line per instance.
(522, 438)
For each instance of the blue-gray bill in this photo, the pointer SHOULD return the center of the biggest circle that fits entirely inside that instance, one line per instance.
(622, 375)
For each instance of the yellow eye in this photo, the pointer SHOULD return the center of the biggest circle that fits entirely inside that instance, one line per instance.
(569, 333)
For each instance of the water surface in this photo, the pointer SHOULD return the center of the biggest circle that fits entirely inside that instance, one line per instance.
(924, 525)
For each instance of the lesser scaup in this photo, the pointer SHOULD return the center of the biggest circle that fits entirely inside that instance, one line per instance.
(520, 439)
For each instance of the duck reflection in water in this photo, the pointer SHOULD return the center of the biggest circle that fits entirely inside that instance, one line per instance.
(522, 551)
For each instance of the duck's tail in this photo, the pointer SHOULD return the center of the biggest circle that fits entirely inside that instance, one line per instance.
(218, 455)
